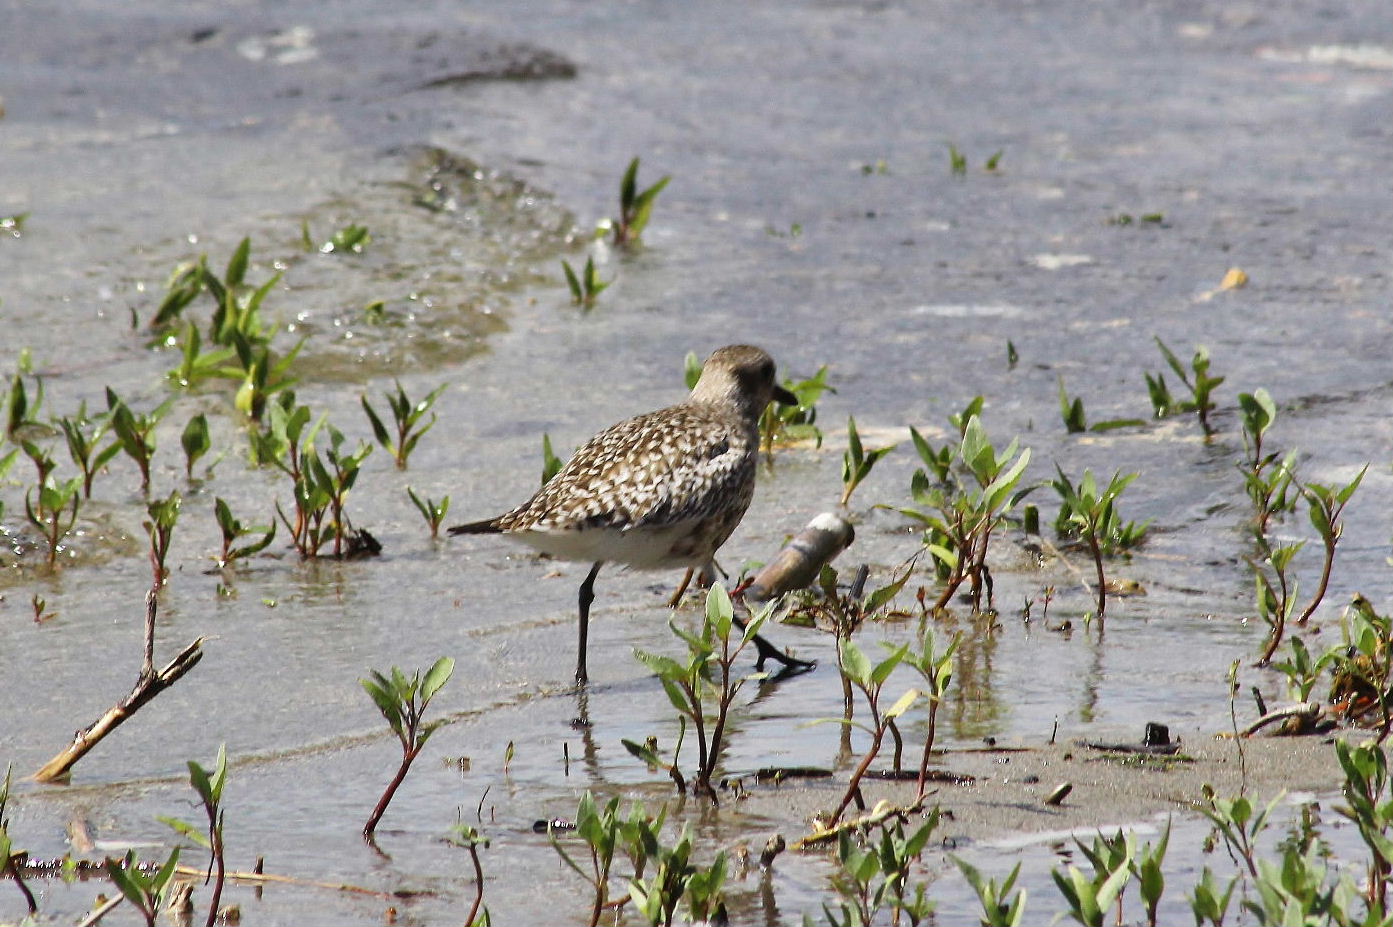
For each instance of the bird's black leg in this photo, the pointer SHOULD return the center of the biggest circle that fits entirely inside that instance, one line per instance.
(587, 595)
(767, 651)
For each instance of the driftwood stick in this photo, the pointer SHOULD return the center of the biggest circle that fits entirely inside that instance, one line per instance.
(882, 812)
(147, 668)
(269, 878)
(98, 913)
(147, 687)
(1305, 712)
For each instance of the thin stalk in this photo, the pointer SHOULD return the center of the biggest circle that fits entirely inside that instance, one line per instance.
(392, 786)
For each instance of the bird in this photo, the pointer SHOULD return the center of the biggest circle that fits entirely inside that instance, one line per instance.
(661, 490)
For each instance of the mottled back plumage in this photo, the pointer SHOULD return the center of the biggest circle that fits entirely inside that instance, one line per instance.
(665, 489)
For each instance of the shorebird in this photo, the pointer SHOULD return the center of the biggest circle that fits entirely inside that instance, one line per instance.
(658, 491)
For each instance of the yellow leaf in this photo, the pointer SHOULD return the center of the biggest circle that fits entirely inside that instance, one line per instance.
(1234, 279)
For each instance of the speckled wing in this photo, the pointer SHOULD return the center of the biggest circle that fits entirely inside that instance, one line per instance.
(668, 467)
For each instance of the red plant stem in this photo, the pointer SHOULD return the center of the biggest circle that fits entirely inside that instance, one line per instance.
(392, 787)
(479, 886)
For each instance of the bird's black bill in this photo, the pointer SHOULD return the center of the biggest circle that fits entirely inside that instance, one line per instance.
(784, 397)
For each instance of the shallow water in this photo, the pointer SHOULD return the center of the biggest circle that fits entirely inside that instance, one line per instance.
(812, 211)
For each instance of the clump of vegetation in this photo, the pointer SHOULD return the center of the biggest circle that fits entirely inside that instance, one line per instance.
(586, 286)
(963, 493)
(433, 512)
(1198, 381)
(635, 206)
(857, 462)
(209, 788)
(406, 416)
(703, 687)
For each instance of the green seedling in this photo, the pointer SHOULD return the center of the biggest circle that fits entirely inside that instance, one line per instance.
(1303, 671)
(263, 375)
(635, 207)
(164, 515)
(135, 433)
(237, 315)
(21, 414)
(53, 509)
(1090, 515)
(282, 439)
(195, 364)
(993, 162)
(1276, 590)
(959, 515)
(375, 312)
(233, 530)
(321, 495)
(587, 286)
(938, 461)
(14, 224)
(1272, 487)
(551, 464)
(403, 703)
(349, 239)
(780, 424)
(857, 463)
(677, 878)
(957, 161)
(1076, 421)
(1239, 823)
(1151, 881)
(1257, 412)
(1071, 411)
(183, 287)
(1201, 388)
(433, 512)
(209, 788)
(83, 435)
(1267, 480)
(1298, 890)
(876, 878)
(8, 853)
(1209, 901)
(1013, 356)
(1368, 793)
(196, 442)
(144, 889)
(842, 613)
(973, 409)
(462, 835)
(606, 834)
(407, 417)
(936, 669)
(1325, 508)
(1090, 897)
(999, 907)
(703, 687)
(870, 678)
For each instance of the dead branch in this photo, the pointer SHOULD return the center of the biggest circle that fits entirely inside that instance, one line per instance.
(149, 685)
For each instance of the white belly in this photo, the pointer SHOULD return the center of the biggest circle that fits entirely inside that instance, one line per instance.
(658, 548)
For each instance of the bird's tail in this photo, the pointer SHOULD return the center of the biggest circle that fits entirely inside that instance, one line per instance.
(487, 526)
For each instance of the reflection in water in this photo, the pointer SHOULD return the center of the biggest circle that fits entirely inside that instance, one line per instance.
(974, 710)
(1093, 679)
(589, 753)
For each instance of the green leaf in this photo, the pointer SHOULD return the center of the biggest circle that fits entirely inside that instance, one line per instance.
(856, 664)
(436, 677)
